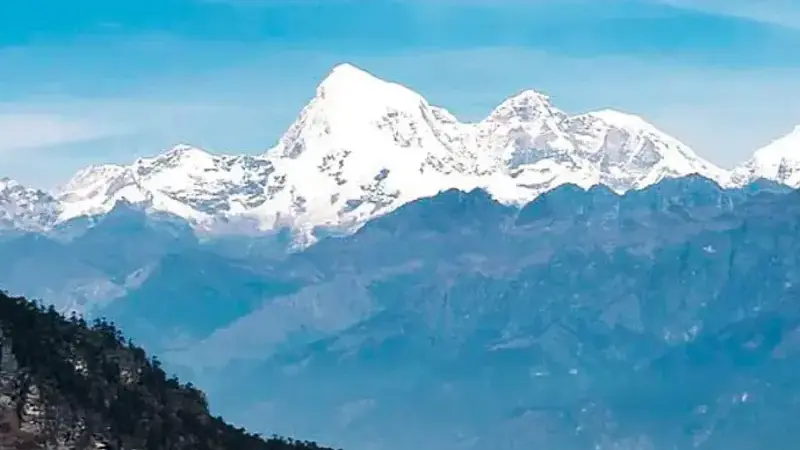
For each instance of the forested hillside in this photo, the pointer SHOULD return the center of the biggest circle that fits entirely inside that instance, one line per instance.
(66, 384)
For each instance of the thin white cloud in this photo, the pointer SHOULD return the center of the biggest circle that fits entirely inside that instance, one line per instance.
(19, 131)
(785, 13)
(778, 12)
(54, 122)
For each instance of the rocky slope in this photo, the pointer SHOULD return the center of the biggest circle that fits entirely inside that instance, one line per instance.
(67, 385)
(363, 146)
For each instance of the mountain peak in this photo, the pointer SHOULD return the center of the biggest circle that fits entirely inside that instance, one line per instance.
(527, 106)
(353, 109)
(529, 96)
(25, 208)
(184, 150)
(621, 119)
(787, 146)
(10, 184)
(90, 175)
(350, 91)
(779, 161)
(348, 81)
(615, 119)
(181, 154)
(633, 153)
(348, 73)
(7, 183)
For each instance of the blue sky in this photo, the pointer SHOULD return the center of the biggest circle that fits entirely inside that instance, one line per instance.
(93, 81)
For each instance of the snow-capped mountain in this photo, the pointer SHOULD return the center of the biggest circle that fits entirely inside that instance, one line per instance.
(778, 161)
(184, 181)
(364, 146)
(25, 208)
(631, 153)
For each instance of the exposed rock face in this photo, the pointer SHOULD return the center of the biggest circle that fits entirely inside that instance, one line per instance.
(27, 417)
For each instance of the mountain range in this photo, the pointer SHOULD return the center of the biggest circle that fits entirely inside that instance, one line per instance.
(661, 318)
(388, 277)
(363, 147)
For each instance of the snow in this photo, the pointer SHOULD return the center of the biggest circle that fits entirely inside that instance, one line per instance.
(183, 181)
(364, 146)
(778, 161)
(360, 148)
(25, 208)
(355, 94)
(624, 120)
